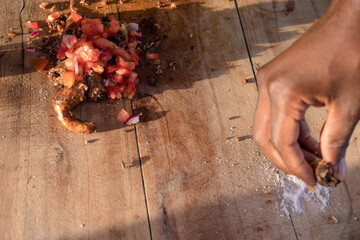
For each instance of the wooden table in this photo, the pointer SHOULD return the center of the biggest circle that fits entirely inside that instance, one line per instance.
(179, 174)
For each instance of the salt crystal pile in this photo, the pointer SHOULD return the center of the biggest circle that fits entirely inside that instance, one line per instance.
(295, 194)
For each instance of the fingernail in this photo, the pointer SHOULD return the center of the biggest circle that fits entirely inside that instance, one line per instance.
(341, 169)
(311, 188)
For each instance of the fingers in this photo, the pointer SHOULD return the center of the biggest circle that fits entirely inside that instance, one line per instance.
(262, 132)
(307, 141)
(339, 125)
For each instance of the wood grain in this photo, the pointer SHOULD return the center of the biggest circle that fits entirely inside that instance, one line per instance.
(54, 185)
(270, 27)
(200, 182)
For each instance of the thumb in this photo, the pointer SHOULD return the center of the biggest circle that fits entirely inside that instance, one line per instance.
(340, 123)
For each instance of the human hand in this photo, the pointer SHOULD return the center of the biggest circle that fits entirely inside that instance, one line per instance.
(322, 68)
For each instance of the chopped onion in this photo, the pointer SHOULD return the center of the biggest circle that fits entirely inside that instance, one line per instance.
(134, 26)
(134, 119)
(76, 65)
(33, 34)
(30, 49)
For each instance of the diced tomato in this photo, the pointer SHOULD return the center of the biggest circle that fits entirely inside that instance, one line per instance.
(69, 40)
(128, 65)
(113, 92)
(61, 52)
(70, 53)
(52, 17)
(134, 56)
(111, 69)
(92, 28)
(130, 90)
(132, 77)
(86, 54)
(104, 35)
(88, 20)
(104, 43)
(118, 78)
(79, 78)
(82, 42)
(91, 38)
(88, 66)
(123, 72)
(151, 56)
(117, 51)
(81, 70)
(33, 25)
(132, 44)
(69, 78)
(98, 67)
(69, 64)
(39, 63)
(114, 27)
(76, 17)
(123, 116)
(105, 56)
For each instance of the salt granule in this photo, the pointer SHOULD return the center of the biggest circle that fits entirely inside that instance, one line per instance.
(295, 194)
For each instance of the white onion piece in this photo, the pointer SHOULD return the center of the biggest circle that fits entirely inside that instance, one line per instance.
(134, 26)
(134, 119)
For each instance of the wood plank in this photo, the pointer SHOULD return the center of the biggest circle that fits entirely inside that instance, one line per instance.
(54, 185)
(200, 182)
(270, 27)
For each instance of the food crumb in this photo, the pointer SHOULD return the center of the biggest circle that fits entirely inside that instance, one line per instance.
(173, 6)
(12, 34)
(191, 35)
(332, 219)
(258, 229)
(244, 81)
(237, 139)
(268, 201)
(82, 225)
(43, 5)
(86, 142)
(268, 194)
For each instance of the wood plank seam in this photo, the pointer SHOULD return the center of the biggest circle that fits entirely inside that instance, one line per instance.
(245, 40)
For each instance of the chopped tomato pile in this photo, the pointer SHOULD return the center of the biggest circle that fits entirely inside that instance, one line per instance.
(94, 51)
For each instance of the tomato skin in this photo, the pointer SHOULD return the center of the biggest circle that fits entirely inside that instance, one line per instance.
(111, 69)
(104, 43)
(61, 52)
(32, 25)
(114, 92)
(88, 20)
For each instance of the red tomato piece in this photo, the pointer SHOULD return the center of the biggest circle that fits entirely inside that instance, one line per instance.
(123, 72)
(128, 65)
(114, 28)
(61, 52)
(123, 116)
(114, 92)
(33, 25)
(118, 51)
(134, 56)
(88, 66)
(151, 56)
(76, 17)
(130, 91)
(98, 67)
(104, 35)
(118, 78)
(132, 77)
(105, 56)
(91, 38)
(69, 64)
(92, 28)
(104, 43)
(52, 17)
